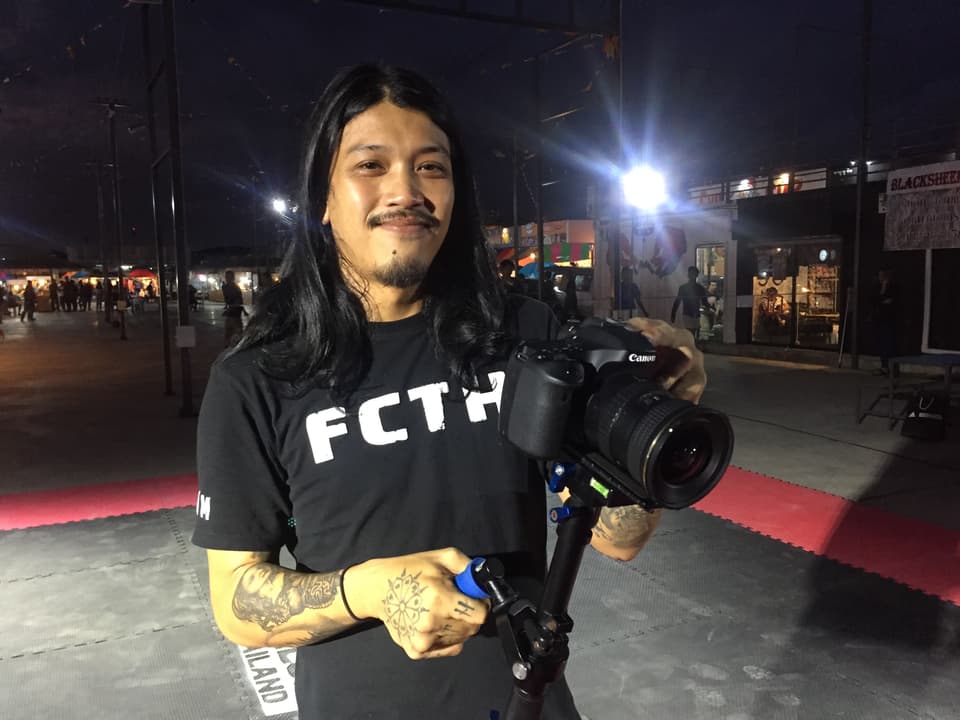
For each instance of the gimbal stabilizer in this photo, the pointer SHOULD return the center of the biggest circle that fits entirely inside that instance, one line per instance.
(535, 638)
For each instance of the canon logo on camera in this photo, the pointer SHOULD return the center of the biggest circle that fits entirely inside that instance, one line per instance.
(638, 358)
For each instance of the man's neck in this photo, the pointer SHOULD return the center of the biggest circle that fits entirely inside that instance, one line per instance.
(387, 304)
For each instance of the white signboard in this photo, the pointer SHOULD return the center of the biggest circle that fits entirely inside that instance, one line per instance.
(270, 672)
(186, 336)
(923, 207)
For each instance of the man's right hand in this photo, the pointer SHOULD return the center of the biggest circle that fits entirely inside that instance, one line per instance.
(418, 601)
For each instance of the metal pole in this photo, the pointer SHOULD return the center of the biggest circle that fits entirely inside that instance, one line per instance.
(101, 222)
(516, 203)
(118, 222)
(539, 111)
(176, 180)
(622, 161)
(154, 189)
(256, 253)
(861, 178)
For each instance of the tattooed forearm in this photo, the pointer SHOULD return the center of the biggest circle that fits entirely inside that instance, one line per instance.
(626, 527)
(270, 596)
(403, 604)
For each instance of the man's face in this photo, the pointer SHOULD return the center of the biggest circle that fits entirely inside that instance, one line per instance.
(391, 195)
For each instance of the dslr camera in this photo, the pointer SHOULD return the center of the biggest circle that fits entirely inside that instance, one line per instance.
(592, 397)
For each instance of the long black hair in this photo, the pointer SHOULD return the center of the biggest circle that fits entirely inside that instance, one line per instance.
(311, 325)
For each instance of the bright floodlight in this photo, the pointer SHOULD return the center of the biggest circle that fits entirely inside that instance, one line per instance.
(645, 188)
(279, 205)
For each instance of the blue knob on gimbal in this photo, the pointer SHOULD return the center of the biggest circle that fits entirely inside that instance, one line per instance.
(467, 583)
(558, 476)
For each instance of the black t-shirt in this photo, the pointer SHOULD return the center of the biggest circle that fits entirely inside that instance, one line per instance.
(692, 295)
(232, 300)
(416, 466)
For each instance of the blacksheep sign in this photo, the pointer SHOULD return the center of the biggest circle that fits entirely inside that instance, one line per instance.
(923, 207)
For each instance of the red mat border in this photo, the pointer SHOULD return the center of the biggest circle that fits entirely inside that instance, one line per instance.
(914, 553)
(917, 554)
(92, 502)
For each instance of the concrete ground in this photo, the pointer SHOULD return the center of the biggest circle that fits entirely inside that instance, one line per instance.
(107, 618)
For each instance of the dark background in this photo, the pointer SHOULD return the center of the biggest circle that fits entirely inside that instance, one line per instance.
(710, 90)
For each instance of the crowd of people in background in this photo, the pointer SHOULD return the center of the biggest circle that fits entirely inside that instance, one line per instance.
(23, 298)
(70, 295)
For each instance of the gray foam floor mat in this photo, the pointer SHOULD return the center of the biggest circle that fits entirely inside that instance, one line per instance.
(109, 619)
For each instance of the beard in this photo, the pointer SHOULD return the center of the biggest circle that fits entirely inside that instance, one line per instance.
(402, 273)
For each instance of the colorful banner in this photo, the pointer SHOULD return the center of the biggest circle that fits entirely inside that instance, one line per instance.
(569, 252)
(923, 207)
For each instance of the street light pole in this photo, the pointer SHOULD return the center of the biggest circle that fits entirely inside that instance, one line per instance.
(622, 159)
(112, 106)
(516, 203)
(179, 209)
(107, 312)
(256, 251)
(118, 220)
(861, 178)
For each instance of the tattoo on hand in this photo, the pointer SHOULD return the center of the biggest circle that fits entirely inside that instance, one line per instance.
(404, 604)
(463, 608)
(269, 595)
(626, 527)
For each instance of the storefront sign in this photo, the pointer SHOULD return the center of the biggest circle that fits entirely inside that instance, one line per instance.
(923, 207)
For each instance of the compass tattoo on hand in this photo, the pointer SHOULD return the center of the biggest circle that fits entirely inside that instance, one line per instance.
(404, 604)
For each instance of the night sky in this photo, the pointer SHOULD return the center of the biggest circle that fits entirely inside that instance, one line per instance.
(711, 89)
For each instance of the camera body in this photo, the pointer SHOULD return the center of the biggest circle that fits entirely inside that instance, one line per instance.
(592, 397)
(547, 381)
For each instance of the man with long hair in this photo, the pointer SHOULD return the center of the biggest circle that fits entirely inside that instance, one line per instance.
(355, 423)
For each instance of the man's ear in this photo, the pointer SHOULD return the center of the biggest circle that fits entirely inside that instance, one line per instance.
(325, 220)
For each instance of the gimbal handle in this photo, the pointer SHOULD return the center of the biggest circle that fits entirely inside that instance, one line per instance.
(535, 639)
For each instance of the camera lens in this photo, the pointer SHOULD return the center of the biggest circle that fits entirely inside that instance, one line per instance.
(672, 451)
(684, 454)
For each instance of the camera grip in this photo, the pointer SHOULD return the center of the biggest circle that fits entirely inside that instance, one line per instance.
(467, 583)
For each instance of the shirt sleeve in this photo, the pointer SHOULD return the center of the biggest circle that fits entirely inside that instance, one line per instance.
(243, 501)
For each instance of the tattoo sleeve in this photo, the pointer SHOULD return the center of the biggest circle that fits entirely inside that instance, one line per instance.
(271, 596)
(626, 527)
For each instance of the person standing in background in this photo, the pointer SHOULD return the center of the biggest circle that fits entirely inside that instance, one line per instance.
(233, 310)
(630, 298)
(29, 302)
(54, 296)
(886, 306)
(692, 296)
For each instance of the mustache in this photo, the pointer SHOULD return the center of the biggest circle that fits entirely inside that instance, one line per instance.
(420, 216)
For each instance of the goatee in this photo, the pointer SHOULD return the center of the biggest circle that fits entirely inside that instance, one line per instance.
(402, 273)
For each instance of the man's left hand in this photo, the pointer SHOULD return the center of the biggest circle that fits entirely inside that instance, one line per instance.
(682, 372)
(621, 532)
